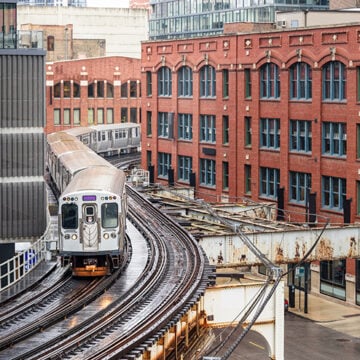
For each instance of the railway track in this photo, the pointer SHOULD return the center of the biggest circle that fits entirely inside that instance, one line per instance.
(174, 277)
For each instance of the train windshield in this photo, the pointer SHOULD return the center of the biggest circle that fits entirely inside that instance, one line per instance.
(69, 215)
(109, 215)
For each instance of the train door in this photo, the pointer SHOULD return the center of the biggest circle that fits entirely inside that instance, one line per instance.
(90, 228)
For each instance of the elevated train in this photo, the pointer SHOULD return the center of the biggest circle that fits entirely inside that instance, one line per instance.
(92, 206)
(109, 139)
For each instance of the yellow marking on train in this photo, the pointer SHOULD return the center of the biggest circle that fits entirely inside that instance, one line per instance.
(258, 346)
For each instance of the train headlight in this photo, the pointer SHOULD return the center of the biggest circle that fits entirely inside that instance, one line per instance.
(113, 235)
(67, 236)
(106, 236)
(74, 236)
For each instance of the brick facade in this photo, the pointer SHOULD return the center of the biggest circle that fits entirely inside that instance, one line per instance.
(116, 71)
(241, 54)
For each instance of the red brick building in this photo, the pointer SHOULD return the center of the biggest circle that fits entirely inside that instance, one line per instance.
(268, 116)
(92, 91)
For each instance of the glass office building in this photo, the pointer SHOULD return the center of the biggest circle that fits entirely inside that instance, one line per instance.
(171, 19)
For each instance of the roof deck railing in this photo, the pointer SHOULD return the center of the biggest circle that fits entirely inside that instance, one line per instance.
(21, 39)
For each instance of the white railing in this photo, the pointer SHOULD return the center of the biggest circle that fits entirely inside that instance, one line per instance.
(25, 261)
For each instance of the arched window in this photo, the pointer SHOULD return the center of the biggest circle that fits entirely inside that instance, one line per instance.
(57, 90)
(300, 81)
(207, 81)
(269, 81)
(50, 43)
(76, 90)
(164, 81)
(185, 81)
(91, 90)
(334, 81)
(109, 90)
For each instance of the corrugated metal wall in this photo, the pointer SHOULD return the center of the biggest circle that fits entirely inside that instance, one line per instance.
(23, 196)
(22, 91)
(23, 209)
(22, 154)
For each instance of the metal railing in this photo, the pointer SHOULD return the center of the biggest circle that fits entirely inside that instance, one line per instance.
(23, 262)
(22, 39)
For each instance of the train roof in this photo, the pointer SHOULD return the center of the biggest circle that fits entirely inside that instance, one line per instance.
(80, 130)
(104, 179)
(62, 143)
(104, 127)
(78, 160)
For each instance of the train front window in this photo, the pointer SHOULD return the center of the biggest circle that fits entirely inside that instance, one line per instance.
(69, 214)
(90, 214)
(109, 215)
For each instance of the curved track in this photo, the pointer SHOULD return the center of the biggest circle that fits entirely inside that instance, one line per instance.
(174, 277)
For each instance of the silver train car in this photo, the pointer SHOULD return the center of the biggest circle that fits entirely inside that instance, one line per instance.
(109, 139)
(92, 207)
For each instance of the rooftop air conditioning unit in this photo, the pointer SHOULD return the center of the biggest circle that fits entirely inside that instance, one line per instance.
(281, 23)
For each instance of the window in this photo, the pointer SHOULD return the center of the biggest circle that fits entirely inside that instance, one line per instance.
(248, 131)
(57, 90)
(100, 86)
(207, 81)
(225, 74)
(57, 117)
(109, 90)
(109, 115)
(247, 182)
(334, 139)
(148, 83)
(300, 136)
(184, 168)
(133, 89)
(247, 83)
(69, 214)
(225, 129)
(207, 172)
(185, 126)
(76, 90)
(358, 83)
(163, 125)
(76, 115)
(208, 128)
(133, 115)
(50, 43)
(66, 116)
(164, 164)
(100, 115)
(357, 265)
(109, 215)
(124, 90)
(332, 278)
(225, 175)
(91, 116)
(300, 185)
(333, 192)
(269, 81)
(67, 89)
(148, 123)
(270, 133)
(91, 90)
(300, 81)
(124, 115)
(164, 81)
(357, 141)
(334, 81)
(269, 182)
(185, 81)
